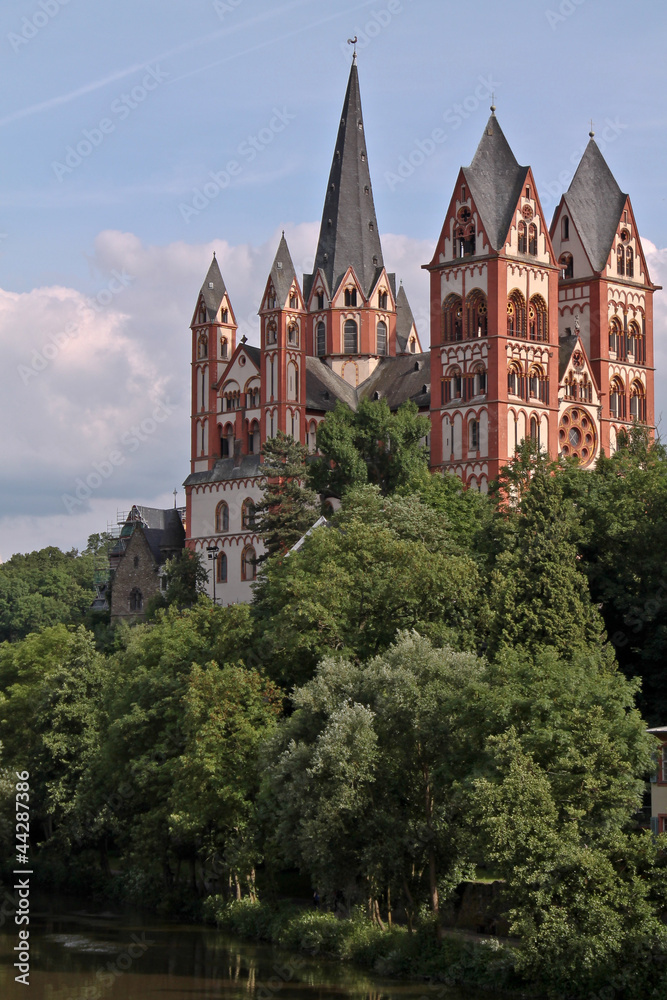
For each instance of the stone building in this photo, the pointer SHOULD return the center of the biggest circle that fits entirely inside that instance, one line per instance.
(148, 538)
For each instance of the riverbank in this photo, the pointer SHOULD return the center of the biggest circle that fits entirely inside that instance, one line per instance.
(454, 960)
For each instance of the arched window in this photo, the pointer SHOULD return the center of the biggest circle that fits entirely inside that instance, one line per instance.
(615, 333)
(534, 376)
(532, 239)
(136, 600)
(293, 301)
(514, 380)
(202, 313)
(350, 297)
(516, 314)
(452, 317)
(248, 563)
(637, 401)
(224, 348)
(381, 337)
(412, 346)
(293, 335)
(456, 383)
(227, 442)
(222, 517)
(620, 260)
(382, 300)
(321, 340)
(566, 264)
(565, 228)
(202, 346)
(535, 431)
(476, 314)
(248, 514)
(629, 263)
(350, 337)
(224, 316)
(538, 319)
(473, 435)
(271, 334)
(479, 382)
(221, 574)
(617, 398)
(523, 240)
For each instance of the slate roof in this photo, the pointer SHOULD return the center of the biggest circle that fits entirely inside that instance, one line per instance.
(349, 233)
(213, 296)
(324, 388)
(225, 469)
(404, 320)
(255, 355)
(282, 272)
(566, 346)
(595, 202)
(399, 379)
(162, 529)
(495, 180)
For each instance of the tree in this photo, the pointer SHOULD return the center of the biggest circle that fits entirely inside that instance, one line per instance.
(385, 564)
(289, 507)
(370, 445)
(187, 579)
(229, 711)
(361, 778)
(538, 595)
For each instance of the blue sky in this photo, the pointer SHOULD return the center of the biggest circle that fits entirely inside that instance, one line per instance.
(102, 254)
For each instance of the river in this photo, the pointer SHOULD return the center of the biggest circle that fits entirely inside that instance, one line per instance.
(79, 952)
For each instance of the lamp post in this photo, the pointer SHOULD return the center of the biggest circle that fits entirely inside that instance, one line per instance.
(213, 555)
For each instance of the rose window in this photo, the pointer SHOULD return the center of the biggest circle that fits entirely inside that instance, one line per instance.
(577, 435)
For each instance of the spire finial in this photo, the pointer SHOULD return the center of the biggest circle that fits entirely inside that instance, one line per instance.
(214, 253)
(175, 495)
(353, 41)
(493, 103)
(591, 133)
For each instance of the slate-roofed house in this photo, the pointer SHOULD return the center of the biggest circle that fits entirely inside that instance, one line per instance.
(148, 538)
(535, 331)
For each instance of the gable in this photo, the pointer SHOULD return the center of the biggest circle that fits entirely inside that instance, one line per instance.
(244, 364)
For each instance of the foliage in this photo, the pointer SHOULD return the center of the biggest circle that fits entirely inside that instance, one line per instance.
(370, 445)
(288, 507)
(386, 563)
(187, 579)
(45, 588)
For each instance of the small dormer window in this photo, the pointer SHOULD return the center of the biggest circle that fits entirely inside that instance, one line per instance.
(350, 296)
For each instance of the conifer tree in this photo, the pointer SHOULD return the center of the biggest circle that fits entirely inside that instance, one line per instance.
(289, 507)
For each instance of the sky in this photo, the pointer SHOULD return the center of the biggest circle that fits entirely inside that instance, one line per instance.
(138, 136)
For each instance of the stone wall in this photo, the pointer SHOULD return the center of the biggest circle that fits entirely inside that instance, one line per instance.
(143, 577)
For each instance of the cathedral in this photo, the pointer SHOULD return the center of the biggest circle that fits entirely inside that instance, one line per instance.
(536, 331)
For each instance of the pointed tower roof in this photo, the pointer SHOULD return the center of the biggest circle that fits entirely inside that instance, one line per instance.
(349, 234)
(595, 202)
(213, 290)
(495, 180)
(404, 319)
(282, 271)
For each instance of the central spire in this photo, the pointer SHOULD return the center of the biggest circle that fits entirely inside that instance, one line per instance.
(349, 234)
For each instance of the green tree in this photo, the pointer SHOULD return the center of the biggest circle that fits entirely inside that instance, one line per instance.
(288, 507)
(385, 564)
(370, 445)
(187, 579)
(229, 711)
(362, 776)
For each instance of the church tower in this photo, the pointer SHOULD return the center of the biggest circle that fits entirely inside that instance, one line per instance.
(213, 343)
(494, 318)
(351, 299)
(606, 297)
(283, 364)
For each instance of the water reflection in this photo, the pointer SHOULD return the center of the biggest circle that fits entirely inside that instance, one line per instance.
(77, 954)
